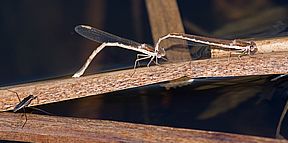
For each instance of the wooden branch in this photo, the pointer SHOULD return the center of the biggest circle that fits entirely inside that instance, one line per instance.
(164, 17)
(71, 88)
(41, 128)
(278, 44)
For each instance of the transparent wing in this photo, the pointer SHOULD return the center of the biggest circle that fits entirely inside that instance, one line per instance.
(196, 50)
(101, 36)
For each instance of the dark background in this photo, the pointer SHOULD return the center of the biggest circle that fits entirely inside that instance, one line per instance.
(38, 39)
(38, 42)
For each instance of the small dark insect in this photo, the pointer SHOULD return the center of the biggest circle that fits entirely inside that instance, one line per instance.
(23, 104)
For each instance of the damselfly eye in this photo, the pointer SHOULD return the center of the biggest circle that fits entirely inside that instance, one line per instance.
(253, 47)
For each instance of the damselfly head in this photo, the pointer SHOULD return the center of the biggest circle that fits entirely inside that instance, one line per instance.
(249, 47)
(160, 52)
(30, 97)
(253, 47)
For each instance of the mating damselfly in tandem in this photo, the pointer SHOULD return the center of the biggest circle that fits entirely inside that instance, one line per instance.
(157, 52)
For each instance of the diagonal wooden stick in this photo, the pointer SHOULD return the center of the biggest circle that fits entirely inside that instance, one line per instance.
(70, 88)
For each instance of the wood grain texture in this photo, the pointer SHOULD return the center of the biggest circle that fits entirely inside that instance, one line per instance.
(41, 128)
(164, 17)
(70, 88)
(278, 44)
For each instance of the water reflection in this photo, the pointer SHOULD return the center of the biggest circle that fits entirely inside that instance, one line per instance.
(246, 105)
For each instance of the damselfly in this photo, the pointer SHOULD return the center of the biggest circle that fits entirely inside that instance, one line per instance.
(109, 40)
(147, 51)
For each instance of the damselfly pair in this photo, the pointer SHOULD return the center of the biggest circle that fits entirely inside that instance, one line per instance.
(147, 51)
